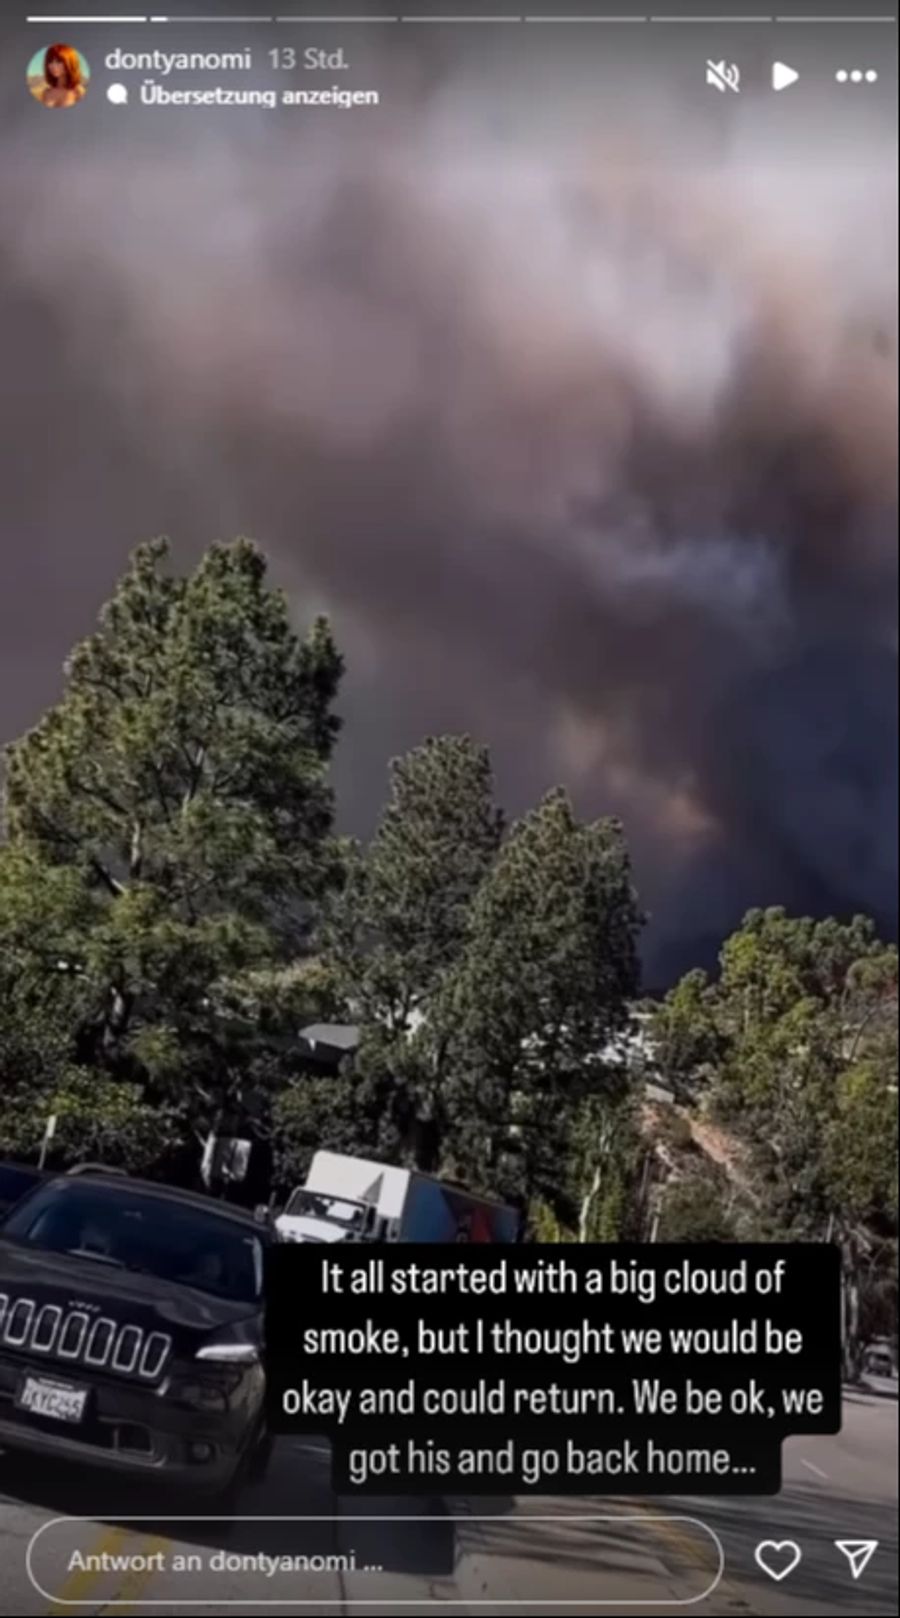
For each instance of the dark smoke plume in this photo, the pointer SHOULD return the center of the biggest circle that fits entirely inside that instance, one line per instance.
(588, 450)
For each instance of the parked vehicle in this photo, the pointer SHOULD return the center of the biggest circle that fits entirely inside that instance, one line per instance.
(131, 1322)
(357, 1199)
(879, 1364)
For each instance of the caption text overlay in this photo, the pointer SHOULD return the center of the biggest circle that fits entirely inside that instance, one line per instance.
(555, 1369)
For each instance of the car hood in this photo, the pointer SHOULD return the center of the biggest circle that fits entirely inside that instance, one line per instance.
(122, 1294)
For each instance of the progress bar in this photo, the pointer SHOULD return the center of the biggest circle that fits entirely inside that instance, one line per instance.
(462, 21)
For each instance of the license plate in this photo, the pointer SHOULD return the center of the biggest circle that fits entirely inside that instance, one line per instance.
(55, 1399)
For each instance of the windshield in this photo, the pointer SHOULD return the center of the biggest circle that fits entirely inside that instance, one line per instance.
(133, 1231)
(337, 1210)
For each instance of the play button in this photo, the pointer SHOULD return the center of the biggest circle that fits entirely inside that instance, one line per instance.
(783, 76)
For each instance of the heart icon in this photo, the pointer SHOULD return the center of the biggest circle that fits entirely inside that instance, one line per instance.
(778, 1557)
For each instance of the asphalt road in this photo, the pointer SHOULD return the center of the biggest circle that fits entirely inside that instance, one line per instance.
(464, 1555)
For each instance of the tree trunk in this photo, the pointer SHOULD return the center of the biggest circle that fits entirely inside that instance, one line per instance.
(587, 1203)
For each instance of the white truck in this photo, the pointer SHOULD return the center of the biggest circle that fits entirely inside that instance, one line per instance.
(355, 1199)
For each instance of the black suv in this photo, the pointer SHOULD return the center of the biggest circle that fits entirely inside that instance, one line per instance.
(131, 1319)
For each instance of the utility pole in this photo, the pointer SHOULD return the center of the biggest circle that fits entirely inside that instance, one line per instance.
(49, 1132)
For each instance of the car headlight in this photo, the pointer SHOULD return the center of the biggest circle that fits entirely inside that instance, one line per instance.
(229, 1353)
(234, 1346)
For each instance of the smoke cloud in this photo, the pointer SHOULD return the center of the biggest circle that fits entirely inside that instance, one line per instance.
(585, 437)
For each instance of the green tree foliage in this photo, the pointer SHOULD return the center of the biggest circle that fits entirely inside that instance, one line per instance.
(685, 1035)
(187, 754)
(861, 1141)
(800, 1003)
(357, 1111)
(797, 1054)
(389, 939)
(98, 1119)
(168, 830)
(602, 1162)
(695, 1208)
(400, 920)
(541, 989)
(489, 974)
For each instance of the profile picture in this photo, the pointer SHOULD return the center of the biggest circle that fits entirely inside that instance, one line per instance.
(58, 76)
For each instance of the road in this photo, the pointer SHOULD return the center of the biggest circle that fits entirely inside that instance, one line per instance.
(468, 1553)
